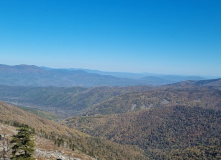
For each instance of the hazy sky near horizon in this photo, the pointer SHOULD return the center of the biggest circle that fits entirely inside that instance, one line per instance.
(155, 36)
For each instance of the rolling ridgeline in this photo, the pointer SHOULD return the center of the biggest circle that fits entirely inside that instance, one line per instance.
(30, 75)
(74, 101)
(175, 121)
(60, 100)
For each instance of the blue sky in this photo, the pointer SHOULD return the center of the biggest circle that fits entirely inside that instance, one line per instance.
(156, 36)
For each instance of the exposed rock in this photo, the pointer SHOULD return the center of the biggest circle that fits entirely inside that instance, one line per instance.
(164, 102)
(133, 107)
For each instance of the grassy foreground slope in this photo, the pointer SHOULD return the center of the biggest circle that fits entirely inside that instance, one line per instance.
(95, 147)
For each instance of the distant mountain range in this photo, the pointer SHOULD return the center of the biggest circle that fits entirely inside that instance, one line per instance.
(201, 83)
(30, 75)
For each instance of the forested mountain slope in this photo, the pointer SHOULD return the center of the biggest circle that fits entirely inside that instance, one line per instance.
(108, 100)
(160, 97)
(164, 132)
(69, 101)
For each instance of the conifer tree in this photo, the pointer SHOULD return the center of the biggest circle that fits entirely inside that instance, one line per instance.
(23, 147)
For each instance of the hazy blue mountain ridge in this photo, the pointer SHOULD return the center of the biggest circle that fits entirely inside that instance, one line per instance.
(25, 75)
(30, 75)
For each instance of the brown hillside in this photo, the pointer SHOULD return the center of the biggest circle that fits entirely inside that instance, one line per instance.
(96, 147)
